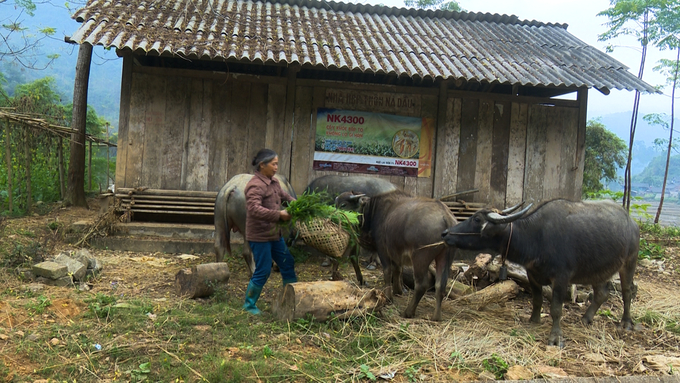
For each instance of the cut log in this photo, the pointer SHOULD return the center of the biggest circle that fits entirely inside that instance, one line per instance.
(323, 299)
(479, 268)
(201, 280)
(497, 293)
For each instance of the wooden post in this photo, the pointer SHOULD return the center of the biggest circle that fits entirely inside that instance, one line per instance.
(60, 153)
(89, 169)
(27, 158)
(8, 157)
(75, 192)
(108, 150)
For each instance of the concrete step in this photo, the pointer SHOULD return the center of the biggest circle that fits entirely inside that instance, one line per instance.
(168, 230)
(153, 245)
(159, 237)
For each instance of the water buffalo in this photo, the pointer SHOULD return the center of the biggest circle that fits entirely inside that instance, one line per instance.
(396, 224)
(230, 215)
(560, 243)
(335, 185)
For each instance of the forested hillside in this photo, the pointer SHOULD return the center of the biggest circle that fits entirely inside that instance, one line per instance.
(104, 88)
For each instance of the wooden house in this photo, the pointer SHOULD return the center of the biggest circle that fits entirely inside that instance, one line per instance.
(205, 84)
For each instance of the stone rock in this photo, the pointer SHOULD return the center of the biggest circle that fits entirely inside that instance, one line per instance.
(519, 373)
(33, 337)
(75, 268)
(96, 265)
(83, 287)
(54, 341)
(486, 376)
(26, 274)
(50, 270)
(549, 372)
(34, 287)
(61, 282)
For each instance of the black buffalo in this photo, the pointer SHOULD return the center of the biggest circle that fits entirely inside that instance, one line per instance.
(560, 243)
(396, 224)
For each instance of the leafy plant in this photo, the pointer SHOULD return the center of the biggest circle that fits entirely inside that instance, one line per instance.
(365, 372)
(412, 374)
(39, 305)
(101, 305)
(650, 250)
(495, 365)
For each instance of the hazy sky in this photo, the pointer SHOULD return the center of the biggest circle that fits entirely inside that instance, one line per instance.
(581, 15)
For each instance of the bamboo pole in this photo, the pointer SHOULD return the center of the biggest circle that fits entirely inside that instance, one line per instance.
(60, 152)
(27, 159)
(8, 157)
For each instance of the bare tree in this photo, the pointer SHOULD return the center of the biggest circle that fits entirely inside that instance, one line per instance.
(17, 43)
(623, 14)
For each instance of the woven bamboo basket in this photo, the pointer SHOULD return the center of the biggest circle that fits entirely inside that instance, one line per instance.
(325, 236)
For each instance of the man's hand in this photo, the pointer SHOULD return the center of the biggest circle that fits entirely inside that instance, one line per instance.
(284, 215)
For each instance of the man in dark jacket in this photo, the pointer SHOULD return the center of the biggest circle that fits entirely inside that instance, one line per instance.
(263, 210)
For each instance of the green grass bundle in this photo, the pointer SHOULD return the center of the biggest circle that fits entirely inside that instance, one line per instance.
(315, 205)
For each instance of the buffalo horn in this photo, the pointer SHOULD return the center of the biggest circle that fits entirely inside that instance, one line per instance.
(511, 209)
(497, 218)
(355, 197)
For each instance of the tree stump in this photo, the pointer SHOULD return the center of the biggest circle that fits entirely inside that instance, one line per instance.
(201, 281)
(497, 293)
(322, 299)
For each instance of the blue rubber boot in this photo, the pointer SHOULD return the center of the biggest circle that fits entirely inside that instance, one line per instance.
(252, 295)
(287, 281)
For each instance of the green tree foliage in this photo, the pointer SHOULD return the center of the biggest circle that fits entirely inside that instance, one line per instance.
(605, 154)
(39, 99)
(653, 173)
(434, 4)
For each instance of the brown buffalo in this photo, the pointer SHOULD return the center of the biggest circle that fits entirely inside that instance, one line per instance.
(395, 225)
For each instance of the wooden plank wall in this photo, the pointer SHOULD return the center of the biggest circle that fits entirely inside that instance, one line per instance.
(188, 130)
(509, 151)
(191, 131)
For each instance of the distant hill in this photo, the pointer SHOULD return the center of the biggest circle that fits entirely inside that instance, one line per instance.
(105, 71)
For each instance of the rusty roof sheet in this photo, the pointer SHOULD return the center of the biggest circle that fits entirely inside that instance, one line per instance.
(421, 44)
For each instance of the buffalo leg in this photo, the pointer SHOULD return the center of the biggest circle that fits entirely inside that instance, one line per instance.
(443, 265)
(558, 294)
(420, 261)
(221, 240)
(397, 285)
(420, 282)
(354, 258)
(387, 277)
(536, 300)
(600, 295)
(335, 274)
(626, 276)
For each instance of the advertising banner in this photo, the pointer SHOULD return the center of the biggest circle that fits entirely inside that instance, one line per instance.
(373, 143)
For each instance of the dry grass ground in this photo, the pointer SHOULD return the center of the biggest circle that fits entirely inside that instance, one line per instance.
(131, 317)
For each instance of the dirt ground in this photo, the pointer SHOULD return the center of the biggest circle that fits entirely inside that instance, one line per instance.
(598, 350)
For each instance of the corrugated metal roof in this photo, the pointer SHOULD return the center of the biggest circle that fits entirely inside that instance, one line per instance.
(422, 44)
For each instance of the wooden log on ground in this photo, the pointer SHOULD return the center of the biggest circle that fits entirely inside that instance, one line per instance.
(496, 293)
(201, 280)
(323, 299)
